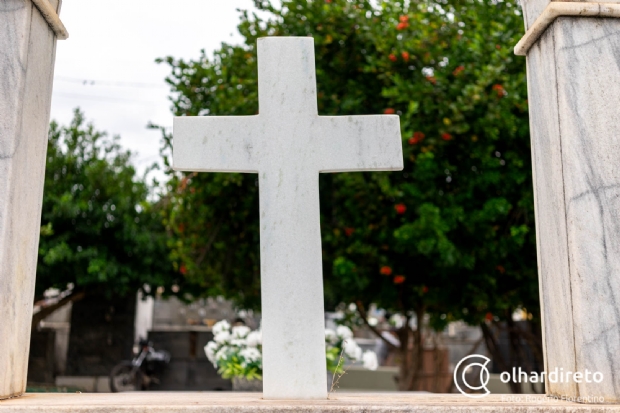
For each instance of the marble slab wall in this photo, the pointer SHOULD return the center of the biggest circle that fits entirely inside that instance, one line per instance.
(574, 96)
(534, 8)
(27, 53)
(548, 175)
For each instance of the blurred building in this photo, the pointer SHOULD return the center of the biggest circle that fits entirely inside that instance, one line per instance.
(78, 345)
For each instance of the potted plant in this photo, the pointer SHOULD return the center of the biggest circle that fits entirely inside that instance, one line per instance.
(236, 352)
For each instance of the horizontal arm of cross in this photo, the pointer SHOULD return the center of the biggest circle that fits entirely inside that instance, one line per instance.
(360, 143)
(216, 143)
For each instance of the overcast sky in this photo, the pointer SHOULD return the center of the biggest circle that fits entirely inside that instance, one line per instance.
(114, 43)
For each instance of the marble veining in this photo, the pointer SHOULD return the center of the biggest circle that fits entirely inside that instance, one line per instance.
(574, 95)
(551, 226)
(588, 99)
(15, 18)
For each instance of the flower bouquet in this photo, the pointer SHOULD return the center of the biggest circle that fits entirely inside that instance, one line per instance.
(236, 352)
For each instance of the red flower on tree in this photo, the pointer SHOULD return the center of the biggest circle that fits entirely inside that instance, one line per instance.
(446, 136)
(499, 89)
(424, 289)
(183, 269)
(402, 26)
(385, 270)
(392, 57)
(399, 279)
(458, 70)
(400, 208)
(404, 18)
(488, 317)
(416, 138)
(389, 111)
(349, 231)
(405, 56)
(431, 79)
(183, 183)
(501, 269)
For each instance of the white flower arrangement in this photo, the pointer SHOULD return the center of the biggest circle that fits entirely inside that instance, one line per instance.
(220, 327)
(237, 351)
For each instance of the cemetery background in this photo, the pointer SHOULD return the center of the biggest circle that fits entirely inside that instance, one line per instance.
(456, 152)
(461, 214)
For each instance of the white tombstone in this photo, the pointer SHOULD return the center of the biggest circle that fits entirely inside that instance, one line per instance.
(573, 73)
(28, 32)
(288, 144)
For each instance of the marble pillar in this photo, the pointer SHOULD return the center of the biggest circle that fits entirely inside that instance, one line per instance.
(573, 73)
(27, 52)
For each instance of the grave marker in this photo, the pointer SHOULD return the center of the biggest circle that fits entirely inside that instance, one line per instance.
(288, 144)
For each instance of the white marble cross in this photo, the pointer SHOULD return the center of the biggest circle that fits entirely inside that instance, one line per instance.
(288, 144)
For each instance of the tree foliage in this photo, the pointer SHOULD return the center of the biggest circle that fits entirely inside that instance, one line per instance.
(99, 230)
(453, 233)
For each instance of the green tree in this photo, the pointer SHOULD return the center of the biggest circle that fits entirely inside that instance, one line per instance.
(452, 236)
(99, 230)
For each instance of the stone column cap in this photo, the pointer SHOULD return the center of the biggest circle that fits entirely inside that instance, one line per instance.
(52, 19)
(556, 9)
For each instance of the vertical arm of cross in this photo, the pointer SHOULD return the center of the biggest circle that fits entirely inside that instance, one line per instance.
(359, 143)
(286, 77)
(216, 144)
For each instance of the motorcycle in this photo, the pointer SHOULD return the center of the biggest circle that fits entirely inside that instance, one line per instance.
(139, 373)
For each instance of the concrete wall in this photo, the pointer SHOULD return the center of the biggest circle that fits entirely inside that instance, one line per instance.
(189, 368)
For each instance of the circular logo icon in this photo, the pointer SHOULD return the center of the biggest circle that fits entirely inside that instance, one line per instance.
(465, 374)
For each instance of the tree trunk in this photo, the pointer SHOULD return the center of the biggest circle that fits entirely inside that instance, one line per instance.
(497, 356)
(411, 353)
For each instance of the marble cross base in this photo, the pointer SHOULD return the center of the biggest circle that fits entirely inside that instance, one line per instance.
(573, 73)
(27, 52)
(227, 402)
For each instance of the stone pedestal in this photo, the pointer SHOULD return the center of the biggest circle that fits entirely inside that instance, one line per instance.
(27, 52)
(573, 70)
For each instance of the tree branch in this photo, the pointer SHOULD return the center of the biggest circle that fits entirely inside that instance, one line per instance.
(364, 316)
